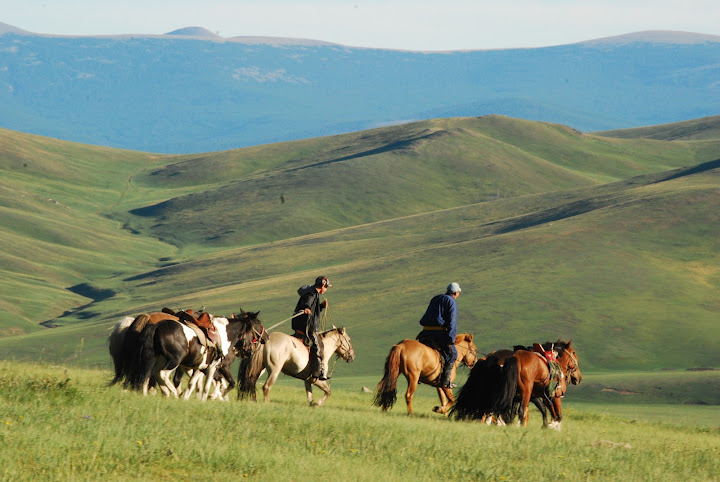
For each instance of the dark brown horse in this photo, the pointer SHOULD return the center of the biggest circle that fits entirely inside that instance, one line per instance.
(421, 364)
(124, 341)
(505, 382)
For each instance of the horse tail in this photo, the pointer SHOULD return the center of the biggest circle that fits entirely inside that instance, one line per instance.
(386, 391)
(475, 397)
(141, 370)
(484, 392)
(249, 372)
(140, 322)
(116, 342)
(506, 389)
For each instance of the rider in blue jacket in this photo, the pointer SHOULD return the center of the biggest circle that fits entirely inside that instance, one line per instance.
(440, 328)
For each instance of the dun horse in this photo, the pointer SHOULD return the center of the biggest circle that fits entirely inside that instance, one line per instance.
(421, 364)
(286, 354)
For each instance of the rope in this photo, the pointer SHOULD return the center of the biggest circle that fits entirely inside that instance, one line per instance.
(284, 321)
(322, 321)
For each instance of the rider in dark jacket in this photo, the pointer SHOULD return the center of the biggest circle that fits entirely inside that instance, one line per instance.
(440, 329)
(307, 325)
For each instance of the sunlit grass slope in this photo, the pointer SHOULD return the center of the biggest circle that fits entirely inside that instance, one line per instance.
(54, 232)
(274, 192)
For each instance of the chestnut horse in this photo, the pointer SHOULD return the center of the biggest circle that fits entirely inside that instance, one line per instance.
(421, 364)
(502, 382)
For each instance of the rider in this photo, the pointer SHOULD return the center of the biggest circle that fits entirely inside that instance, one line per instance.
(440, 328)
(307, 322)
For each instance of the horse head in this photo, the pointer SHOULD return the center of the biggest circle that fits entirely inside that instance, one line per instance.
(469, 358)
(251, 333)
(570, 359)
(344, 348)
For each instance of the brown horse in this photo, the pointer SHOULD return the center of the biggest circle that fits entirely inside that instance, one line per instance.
(421, 364)
(506, 380)
(124, 342)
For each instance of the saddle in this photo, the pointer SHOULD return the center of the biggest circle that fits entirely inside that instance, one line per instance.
(550, 356)
(204, 323)
(306, 341)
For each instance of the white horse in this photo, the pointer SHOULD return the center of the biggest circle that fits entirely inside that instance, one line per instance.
(286, 354)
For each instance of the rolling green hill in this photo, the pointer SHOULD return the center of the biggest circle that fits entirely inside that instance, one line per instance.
(551, 233)
(692, 130)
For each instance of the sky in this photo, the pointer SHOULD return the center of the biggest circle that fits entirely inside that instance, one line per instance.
(394, 24)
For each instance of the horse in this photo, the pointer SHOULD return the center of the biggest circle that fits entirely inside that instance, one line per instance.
(223, 380)
(503, 383)
(283, 353)
(169, 345)
(420, 363)
(123, 341)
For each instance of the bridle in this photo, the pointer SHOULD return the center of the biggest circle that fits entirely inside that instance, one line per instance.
(471, 350)
(576, 366)
(345, 346)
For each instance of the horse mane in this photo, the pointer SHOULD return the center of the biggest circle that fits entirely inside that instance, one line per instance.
(558, 346)
(334, 328)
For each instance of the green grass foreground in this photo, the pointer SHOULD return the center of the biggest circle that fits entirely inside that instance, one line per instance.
(59, 423)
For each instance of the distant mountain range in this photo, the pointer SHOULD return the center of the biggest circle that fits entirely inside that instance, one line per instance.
(193, 91)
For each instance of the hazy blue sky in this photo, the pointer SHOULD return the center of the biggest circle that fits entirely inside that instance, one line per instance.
(400, 24)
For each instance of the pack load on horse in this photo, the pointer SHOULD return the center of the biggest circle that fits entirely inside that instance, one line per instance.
(420, 363)
(503, 383)
(283, 353)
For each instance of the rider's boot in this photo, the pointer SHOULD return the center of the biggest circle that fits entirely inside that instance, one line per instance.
(445, 377)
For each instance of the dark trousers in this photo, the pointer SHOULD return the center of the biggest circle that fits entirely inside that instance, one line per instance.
(317, 350)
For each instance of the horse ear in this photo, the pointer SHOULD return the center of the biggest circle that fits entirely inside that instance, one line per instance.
(232, 315)
(568, 343)
(255, 315)
(470, 337)
(341, 330)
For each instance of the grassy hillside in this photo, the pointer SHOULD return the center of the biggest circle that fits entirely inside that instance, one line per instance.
(102, 433)
(280, 191)
(628, 269)
(696, 129)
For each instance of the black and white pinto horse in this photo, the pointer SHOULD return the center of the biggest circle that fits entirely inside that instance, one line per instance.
(153, 352)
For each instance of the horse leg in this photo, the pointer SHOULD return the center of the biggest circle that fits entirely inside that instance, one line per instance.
(192, 384)
(443, 400)
(446, 400)
(210, 374)
(166, 383)
(556, 409)
(271, 379)
(524, 404)
(308, 391)
(322, 385)
(540, 404)
(412, 380)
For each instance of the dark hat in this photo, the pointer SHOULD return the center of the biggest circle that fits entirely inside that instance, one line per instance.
(322, 281)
